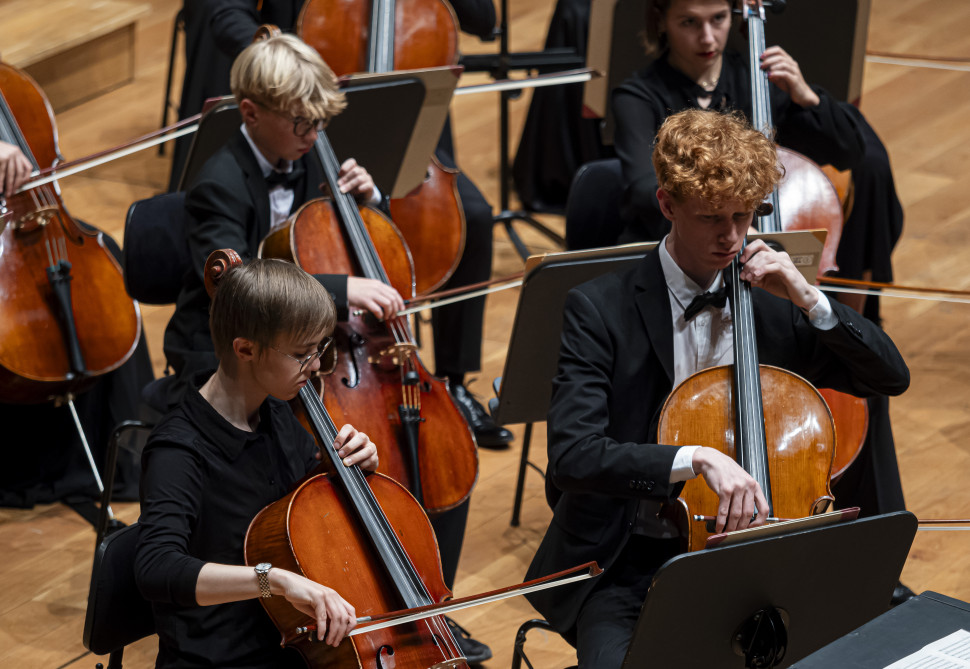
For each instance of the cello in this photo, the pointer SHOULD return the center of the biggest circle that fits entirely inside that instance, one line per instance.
(65, 317)
(388, 35)
(378, 382)
(805, 200)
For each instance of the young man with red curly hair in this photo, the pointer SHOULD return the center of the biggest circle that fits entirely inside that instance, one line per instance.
(626, 343)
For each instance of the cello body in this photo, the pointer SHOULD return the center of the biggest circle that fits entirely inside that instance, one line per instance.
(425, 33)
(798, 428)
(53, 341)
(314, 531)
(809, 201)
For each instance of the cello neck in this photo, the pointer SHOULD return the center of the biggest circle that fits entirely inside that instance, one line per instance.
(380, 53)
(346, 206)
(754, 16)
(750, 441)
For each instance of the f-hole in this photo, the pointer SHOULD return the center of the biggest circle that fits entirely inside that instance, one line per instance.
(383, 651)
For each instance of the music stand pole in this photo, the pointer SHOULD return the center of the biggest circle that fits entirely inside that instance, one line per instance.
(507, 216)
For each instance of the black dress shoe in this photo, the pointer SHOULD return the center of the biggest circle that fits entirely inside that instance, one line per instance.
(474, 651)
(487, 433)
(901, 594)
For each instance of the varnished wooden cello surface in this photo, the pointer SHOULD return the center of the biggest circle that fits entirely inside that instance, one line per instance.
(381, 36)
(424, 33)
(65, 317)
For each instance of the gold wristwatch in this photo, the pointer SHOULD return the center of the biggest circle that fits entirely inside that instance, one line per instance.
(262, 576)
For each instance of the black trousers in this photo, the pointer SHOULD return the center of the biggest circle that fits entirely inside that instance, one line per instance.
(458, 327)
(609, 615)
(449, 528)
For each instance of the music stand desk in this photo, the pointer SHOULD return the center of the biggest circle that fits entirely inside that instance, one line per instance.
(893, 635)
(828, 581)
(533, 354)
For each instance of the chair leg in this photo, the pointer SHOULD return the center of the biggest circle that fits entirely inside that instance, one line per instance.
(106, 524)
(518, 652)
(520, 481)
(115, 659)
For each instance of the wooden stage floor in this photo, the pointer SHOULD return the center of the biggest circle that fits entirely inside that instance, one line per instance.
(919, 112)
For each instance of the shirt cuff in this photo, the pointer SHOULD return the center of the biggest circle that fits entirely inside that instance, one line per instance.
(682, 469)
(822, 316)
(376, 198)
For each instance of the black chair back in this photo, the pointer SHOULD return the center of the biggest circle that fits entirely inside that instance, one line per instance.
(156, 252)
(117, 614)
(217, 125)
(593, 208)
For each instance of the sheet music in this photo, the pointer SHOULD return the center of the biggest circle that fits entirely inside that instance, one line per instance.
(950, 652)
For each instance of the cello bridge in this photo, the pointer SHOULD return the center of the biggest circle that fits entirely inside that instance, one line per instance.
(393, 356)
(35, 220)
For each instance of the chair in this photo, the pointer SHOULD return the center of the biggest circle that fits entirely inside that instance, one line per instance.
(117, 614)
(155, 254)
(155, 258)
(593, 207)
(518, 651)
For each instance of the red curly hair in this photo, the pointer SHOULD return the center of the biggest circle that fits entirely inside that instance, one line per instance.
(715, 157)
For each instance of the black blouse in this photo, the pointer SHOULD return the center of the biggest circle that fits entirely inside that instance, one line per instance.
(827, 133)
(203, 481)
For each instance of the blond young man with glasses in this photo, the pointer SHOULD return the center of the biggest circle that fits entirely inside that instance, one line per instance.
(286, 95)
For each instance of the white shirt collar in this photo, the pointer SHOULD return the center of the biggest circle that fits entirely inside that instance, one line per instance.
(682, 287)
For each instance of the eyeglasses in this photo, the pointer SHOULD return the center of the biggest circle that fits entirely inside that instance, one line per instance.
(308, 360)
(301, 126)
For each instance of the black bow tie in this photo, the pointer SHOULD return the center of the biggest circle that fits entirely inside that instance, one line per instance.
(285, 179)
(700, 302)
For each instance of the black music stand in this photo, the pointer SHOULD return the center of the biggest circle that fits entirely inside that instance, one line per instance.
(498, 66)
(744, 605)
(391, 125)
(533, 354)
(896, 634)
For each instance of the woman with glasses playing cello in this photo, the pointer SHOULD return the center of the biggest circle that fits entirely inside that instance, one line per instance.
(231, 447)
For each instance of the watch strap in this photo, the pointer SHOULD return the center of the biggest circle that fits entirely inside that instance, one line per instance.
(262, 577)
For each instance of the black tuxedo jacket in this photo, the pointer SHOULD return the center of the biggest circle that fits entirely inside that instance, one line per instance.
(228, 207)
(616, 369)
